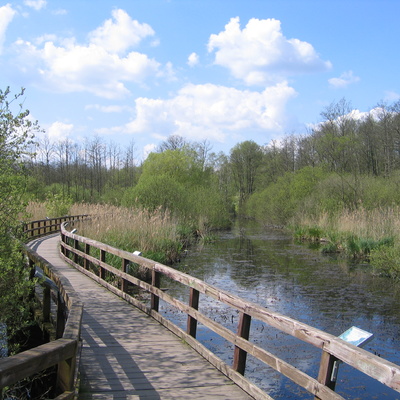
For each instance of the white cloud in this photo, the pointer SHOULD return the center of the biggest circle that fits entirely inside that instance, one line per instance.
(260, 54)
(193, 60)
(6, 15)
(211, 112)
(109, 109)
(59, 130)
(391, 96)
(94, 67)
(36, 4)
(118, 35)
(344, 80)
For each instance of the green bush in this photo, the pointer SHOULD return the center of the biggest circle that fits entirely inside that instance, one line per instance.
(386, 261)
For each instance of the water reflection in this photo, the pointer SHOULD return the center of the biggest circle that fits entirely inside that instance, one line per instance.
(267, 268)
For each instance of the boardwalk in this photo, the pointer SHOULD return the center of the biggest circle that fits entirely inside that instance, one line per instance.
(128, 355)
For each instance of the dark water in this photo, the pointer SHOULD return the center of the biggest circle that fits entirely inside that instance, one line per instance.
(266, 267)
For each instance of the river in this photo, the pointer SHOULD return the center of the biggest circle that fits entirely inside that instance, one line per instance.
(268, 268)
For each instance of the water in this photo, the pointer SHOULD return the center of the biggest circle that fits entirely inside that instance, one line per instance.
(268, 268)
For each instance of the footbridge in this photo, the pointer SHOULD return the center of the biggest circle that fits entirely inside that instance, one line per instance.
(112, 342)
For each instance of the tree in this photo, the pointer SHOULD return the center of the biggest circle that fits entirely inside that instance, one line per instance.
(246, 159)
(16, 134)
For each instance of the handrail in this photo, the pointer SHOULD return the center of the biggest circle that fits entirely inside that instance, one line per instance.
(76, 250)
(64, 351)
(46, 226)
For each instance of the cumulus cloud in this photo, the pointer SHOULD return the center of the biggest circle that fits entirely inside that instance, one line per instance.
(36, 4)
(344, 80)
(59, 131)
(6, 15)
(193, 60)
(119, 34)
(211, 112)
(102, 66)
(260, 54)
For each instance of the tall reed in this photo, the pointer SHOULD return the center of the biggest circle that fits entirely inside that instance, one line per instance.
(156, 234)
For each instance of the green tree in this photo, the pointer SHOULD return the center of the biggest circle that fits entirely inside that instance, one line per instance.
(16, 134)
(246, 159)
(178, 181)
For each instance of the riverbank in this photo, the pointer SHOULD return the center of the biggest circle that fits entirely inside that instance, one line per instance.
(361, 234)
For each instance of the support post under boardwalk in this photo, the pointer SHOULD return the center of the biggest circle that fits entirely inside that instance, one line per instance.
(239, 356)
(325, 371)
(194, 303)
(155, 281)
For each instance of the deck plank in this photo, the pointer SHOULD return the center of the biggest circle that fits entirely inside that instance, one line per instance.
(126, 354)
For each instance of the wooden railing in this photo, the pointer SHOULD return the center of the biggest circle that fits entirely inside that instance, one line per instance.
(64, 351)
(89, 256)
(46, 226)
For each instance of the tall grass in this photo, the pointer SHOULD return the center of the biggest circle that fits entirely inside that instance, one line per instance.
(369, 234)
(155, 233)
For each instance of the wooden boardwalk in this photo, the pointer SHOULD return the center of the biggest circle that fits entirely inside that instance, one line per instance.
(128, 355)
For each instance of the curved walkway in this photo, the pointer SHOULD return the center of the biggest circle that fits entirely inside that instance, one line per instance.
(128, 355)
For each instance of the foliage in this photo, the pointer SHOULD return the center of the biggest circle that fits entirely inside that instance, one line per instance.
(58, 206)
(16, 132)
(177, 182)
(280, 201)
(386, 261)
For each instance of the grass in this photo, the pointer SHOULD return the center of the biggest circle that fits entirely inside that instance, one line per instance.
(156, 234)
(372, 235)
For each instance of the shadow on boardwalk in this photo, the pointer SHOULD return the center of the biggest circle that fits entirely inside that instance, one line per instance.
(126, 354)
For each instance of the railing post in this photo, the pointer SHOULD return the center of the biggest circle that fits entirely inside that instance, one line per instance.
(60, 325)
(325, 371)
(86, 262)
(76, 247)
(46, 303)
(240, 356)
(102, 271)
(124, 283)
(66, 375)
(194, 303)
(31, 276)
(155, 281)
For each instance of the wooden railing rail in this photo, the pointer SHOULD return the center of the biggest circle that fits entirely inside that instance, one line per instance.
(46, 226)
(78, 251)
(65, 350)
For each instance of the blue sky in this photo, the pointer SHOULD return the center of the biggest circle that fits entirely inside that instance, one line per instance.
(225, 71)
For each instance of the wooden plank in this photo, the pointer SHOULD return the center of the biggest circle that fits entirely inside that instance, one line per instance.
(122, 348)
(383, 371)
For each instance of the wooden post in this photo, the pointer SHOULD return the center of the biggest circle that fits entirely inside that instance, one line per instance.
(155, 281)
(102, 271)
(124, 283)
(31, 276)
(76, 247)
(239, 356)
(86, 262)
(194, 303)
(66, 375)
(46, 303)
(60, 325)
(325, 371)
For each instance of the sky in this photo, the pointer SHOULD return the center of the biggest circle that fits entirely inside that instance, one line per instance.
(222, 71)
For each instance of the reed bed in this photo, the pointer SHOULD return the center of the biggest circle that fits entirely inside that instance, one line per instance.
(156, 234)
(372, 235)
